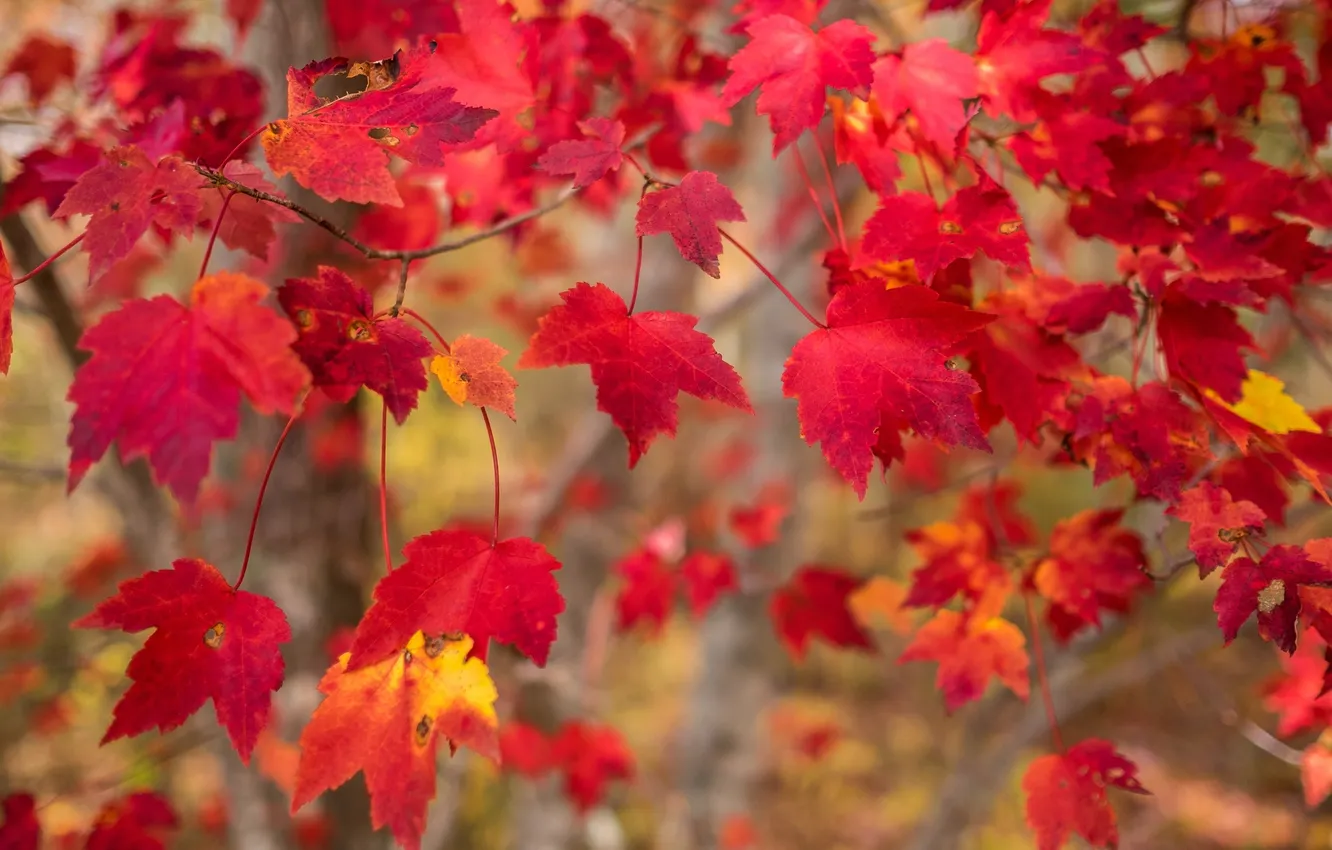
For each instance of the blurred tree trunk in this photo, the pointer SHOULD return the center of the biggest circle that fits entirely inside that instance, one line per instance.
(315, 545)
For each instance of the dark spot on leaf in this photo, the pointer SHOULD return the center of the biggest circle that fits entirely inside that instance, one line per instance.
(412, 129)
(464, 377)
(115, 206)
(378, 132)
(305, 319)
(359, 330)
(213, 637)
(407, 656)
(951, 228)
(1010, 227)
(434, 646)
(423, 729)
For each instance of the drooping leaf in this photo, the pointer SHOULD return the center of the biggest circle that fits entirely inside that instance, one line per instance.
(340, 149)
(970, 651)
(165, 379)
(454, 580)
(795, 65)
(1270, 589)
(1217, 523)
(883, 353)
(814, 603)
(211, 642)
(126, 193)
(690, 212)
(387, 720)
(1066, 794)
(347, 347)
(588, 159)
(640, 362)
(249, 224)
(471, 372)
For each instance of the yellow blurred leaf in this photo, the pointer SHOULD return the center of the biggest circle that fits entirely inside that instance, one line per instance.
(1265, 403)
(878, 604)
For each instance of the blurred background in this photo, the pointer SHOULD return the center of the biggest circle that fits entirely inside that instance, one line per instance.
(730, 742)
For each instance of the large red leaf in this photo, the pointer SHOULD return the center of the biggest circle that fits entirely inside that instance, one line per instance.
(340, 149)
(454, 580)
(347, 347)
(165, 379)
(211, 642)
(640, 362)
(883, 352)
(795, 65)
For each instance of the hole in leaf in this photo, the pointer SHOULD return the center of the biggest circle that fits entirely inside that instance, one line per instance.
(378, 133)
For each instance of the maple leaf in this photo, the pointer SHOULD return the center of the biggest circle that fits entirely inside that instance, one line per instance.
(1094, 564)
(524, 749)
(454, 580)
(347, 347)
(971, 650)
(1263, 402)
(795, 65)
(124, 194)
(46, 63)
(1067, 142)
(1298, 694)
(1014, 52)
(884, 352)
(690, 212)
(706, 576)
(471, 372)
(979, 218)
(1217, 523)
(1066, 794)
(645, 596)
(165, 379)
(960, 559)
(486, 64)
(138, 821)
(386, 720)
(640, 362)
(6, 313)
(211, 642)
(1269, 588)
(590, 159)
(591, 755)
(760, 524)
(249, 223)
(340, 149)
(1202, 344)
(930, 79)
(21, 829)
(814, 603)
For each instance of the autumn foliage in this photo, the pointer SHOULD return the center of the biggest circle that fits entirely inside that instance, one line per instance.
(943, 332)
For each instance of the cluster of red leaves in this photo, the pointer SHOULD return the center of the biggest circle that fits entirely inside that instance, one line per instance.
(500, 110)
(588, 755)
(142, 821)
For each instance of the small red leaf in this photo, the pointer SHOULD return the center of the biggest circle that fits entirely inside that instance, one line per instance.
(1066, 794)
(1217, 523)
(814, 603)
(590, 159)
(690, 212)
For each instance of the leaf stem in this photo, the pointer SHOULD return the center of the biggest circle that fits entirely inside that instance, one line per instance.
(217, 226)
(263, 488)
(402, 288)
(410, 313)
(51, 259)
(383, 486)
(832, 190)
(773, 278)
(1042, 676)
(494, 465)
(638, 261)
(813, 193)
(925, 175)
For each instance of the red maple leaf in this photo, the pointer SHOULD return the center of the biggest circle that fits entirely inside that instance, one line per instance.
(340, 149)
(1298, 695)
(970, 651)
(454, 580)
(21, 829)
(347, 347)
(6, 313)
(813, 603)
(640, 362)
(647, 592)
(960, 559)
(249, 223)
(979, 218)
(387, 720)
(1087, 306)
(1269, 588)
(1066, 142)
(1094, 564)
(46, 63)
(591, 755)
(487, 64)
(690, 212)
(1217, 523)
(930, 79)
(795, 65)
(1202, 343)
(883, 352)
(1014, 52)
(589, 159)
(760, 523)
(126, 193)
(165, 379)
(1066, 794)
(706, 576)
(211, 642)
(524, 749)
(139, 821)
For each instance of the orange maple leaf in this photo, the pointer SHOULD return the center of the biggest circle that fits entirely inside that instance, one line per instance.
(970, 650)
(387, 720)
(471, 371)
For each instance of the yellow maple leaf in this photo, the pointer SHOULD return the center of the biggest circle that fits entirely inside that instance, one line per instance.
(1264, 403)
